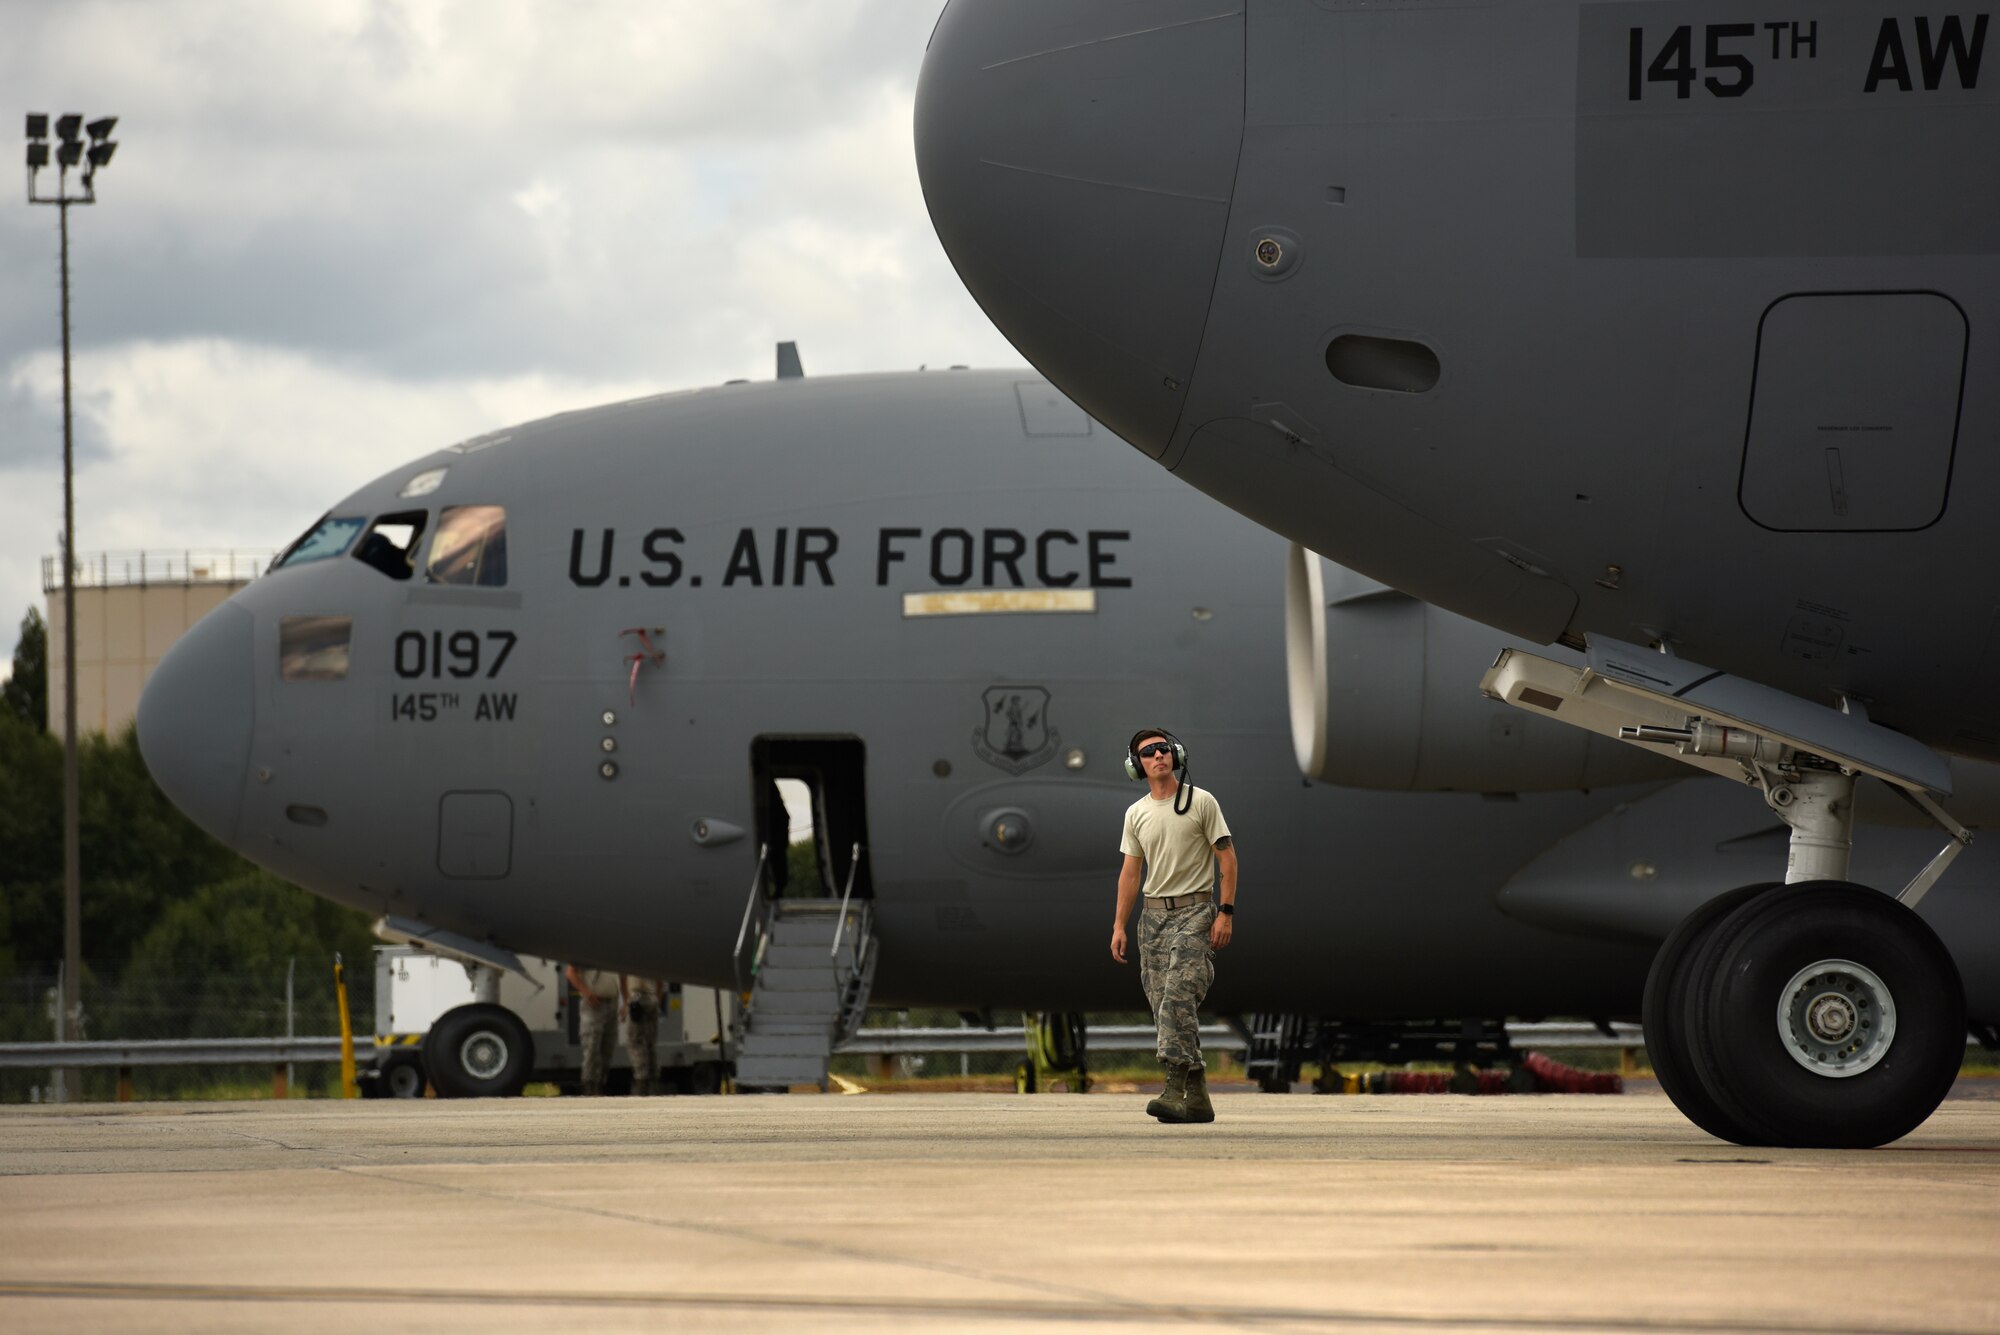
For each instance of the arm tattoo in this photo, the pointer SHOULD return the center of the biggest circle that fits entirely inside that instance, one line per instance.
(1222, 843)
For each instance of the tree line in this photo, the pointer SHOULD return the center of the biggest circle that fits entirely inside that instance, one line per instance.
(182, 937)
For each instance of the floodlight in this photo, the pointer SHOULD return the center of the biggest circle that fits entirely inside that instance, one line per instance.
(69, 151)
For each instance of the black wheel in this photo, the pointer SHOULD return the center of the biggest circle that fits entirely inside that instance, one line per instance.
(1274, 1084)
(402, 1077)
(1830, 1016)
(480, 1051)
(705, 1078)
(1664, 1012)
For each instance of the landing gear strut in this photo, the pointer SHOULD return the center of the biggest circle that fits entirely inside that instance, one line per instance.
(1814, 1013)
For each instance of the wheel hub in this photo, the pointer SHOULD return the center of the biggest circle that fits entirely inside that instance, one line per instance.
(1831, 1017)
(1836, 1018)
(483, 1055)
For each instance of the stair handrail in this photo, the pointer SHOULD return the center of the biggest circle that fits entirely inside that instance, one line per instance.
(850, 977)
(853, 866)
(854, 992)
(749, 912)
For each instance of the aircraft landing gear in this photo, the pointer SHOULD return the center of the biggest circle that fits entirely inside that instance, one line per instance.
(1821, 1014)
(1665, 1002)
(1057, 1062)
(1816, 1013)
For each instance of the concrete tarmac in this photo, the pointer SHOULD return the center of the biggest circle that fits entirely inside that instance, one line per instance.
(983, 1212)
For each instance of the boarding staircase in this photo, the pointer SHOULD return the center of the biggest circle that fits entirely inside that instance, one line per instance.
(806, 967)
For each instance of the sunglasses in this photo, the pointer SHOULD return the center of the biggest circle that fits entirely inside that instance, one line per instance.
(1156, 749)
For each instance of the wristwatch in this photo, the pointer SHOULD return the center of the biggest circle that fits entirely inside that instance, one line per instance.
(1230, 909)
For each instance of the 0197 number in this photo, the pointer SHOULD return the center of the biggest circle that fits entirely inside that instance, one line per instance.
(461, 653)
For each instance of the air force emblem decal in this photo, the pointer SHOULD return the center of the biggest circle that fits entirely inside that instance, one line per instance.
(1015, 734)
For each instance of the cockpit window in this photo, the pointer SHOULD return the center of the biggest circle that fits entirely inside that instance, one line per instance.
(391, 544)
(314, 648)
(329, 537)
(470, 547)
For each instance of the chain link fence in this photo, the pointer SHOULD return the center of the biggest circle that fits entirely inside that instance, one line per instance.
(141, 1005)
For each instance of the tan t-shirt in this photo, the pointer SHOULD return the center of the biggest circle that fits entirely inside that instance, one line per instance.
(1179, 851)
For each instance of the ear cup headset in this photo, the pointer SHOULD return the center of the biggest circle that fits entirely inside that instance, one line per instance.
(1184, 799)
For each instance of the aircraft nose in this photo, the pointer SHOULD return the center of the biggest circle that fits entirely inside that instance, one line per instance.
(1078, 162)
(195, 720)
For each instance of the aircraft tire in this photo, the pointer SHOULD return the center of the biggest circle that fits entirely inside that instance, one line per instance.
(1893, 995)
(1664, 1011)
(480, 1051)
(402, 1077)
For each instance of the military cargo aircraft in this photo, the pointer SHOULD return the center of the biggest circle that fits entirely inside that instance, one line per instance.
(532, 693)
(1648, 328)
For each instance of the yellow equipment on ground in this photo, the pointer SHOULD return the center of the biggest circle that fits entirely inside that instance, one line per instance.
(348, 1088)
(1056, 1062)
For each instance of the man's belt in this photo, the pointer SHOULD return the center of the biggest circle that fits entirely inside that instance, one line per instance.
(1165, 902)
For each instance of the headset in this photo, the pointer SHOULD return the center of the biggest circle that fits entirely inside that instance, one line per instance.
(1184, 799)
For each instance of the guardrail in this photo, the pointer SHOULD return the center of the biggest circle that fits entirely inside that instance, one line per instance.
(275, 1052)
(107, 570)
(172, 1052)
(278, 1052)
(1141, 1037)
(873, 1042)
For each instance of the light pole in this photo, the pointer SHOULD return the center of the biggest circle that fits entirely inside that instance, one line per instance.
(70, 151)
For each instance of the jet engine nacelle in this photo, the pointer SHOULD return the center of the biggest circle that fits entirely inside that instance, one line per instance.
(1381, 698)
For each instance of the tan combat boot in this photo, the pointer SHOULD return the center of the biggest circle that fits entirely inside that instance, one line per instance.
(1195, 1106)
(1173, 1098)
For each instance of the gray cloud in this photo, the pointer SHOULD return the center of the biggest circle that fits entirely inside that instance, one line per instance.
(352, 180)
(31, 421)
(341, 233)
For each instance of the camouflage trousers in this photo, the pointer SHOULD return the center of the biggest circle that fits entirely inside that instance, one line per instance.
(599, 1026)
(642, 1034)
(1176, 965)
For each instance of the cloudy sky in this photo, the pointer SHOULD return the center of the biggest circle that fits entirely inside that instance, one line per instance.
(340, 233)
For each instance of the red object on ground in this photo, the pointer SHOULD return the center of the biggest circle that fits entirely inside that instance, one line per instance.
(1555, 1078)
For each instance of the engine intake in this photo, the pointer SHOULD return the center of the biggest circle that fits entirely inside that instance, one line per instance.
(1385, 694)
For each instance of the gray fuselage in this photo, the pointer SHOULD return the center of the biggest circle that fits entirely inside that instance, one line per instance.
(453, 771)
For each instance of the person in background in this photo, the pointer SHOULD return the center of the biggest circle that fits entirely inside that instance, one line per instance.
(598, 997)
(644, 999)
